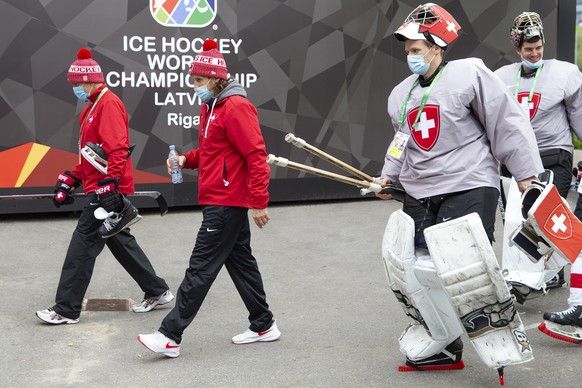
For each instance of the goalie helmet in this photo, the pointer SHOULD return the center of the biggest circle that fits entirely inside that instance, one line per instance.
(526, 26)
(429, 22)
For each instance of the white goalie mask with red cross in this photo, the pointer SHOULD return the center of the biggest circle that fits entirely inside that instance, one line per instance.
(429, 22)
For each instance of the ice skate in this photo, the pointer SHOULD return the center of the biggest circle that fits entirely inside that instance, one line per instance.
(120, 221)
(564, 325)
(448, 359)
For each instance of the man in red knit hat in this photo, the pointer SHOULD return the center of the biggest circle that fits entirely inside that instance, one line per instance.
(233, 176)
(105, 133)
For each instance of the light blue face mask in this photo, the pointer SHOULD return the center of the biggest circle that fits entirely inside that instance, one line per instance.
(81, 93)
(203, 93)
(530, 65)
(416, 63)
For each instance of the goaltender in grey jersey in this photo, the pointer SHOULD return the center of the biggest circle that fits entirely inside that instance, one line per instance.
(555, 108)
(470, 123)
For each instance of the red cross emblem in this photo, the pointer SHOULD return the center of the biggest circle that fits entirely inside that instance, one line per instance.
(530, 107)
(427, 129)
(558, 223)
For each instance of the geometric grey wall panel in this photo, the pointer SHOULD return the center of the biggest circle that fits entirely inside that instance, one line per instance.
(319, 69)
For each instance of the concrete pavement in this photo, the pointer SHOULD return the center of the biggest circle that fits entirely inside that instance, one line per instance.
(325, 282)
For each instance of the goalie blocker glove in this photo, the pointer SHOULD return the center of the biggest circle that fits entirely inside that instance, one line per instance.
(66, 184)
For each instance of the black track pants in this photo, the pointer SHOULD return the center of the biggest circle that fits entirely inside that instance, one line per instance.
(223, 239)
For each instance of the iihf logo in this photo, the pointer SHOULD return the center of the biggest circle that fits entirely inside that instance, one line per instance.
(183, 13)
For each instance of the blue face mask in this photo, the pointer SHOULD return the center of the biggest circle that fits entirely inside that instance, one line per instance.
(532, 66)
(203, 93)
(81, 93)
(416, 63)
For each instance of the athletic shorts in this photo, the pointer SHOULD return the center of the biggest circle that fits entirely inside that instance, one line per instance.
(429, 211)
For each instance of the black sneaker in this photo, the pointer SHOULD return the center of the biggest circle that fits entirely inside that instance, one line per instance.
(119, 221)
(570, 317)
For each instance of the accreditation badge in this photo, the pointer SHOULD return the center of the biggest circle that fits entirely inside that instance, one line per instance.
(398, 144)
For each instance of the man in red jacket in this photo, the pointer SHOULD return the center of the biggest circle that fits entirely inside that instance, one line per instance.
(103, 122)
(233, 176)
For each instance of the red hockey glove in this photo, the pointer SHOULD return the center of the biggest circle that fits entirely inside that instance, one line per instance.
(66, 184)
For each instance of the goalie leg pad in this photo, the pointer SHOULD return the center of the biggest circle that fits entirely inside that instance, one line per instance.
(472, 279)
(436, 324)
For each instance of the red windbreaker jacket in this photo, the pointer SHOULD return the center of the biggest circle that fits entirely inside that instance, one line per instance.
(106, 125)
(231, 156)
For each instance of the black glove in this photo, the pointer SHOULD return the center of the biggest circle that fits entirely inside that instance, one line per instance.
(109, 198)
(66, 184)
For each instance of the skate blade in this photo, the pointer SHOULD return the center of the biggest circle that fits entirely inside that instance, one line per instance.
(408, 368)
(555, 330)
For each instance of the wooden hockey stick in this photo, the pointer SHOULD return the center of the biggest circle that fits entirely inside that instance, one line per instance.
(300, 143)
(397, 193)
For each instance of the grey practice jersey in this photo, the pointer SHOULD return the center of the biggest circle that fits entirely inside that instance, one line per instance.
(469, 123)
(556, 105)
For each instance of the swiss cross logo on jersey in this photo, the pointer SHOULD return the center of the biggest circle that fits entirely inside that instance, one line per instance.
(530, 107)
(558, 223)
(427, 129)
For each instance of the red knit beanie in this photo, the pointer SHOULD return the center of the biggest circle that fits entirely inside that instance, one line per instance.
(210, 62)
(85, 69)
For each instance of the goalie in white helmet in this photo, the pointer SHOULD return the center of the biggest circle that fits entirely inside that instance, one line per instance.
(456, 120)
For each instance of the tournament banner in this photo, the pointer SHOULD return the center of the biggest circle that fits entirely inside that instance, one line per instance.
(321, 70)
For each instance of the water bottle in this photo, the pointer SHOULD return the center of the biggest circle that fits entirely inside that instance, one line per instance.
(175, 165)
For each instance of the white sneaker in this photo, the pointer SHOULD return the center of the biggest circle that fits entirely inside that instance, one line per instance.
(51, 316)
(149, 303)
(249, 336)
(159, 343)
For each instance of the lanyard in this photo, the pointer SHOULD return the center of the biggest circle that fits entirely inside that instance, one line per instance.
(423, 101)
(93, 107)
(89, 114)
(533, 86)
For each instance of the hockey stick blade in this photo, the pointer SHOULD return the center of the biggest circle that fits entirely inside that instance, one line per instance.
(396, 192)
(157, 196)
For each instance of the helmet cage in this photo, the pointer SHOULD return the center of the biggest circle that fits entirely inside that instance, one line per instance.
(526, 26)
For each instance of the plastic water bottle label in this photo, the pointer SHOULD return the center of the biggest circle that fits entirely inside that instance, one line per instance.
(176, 176)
